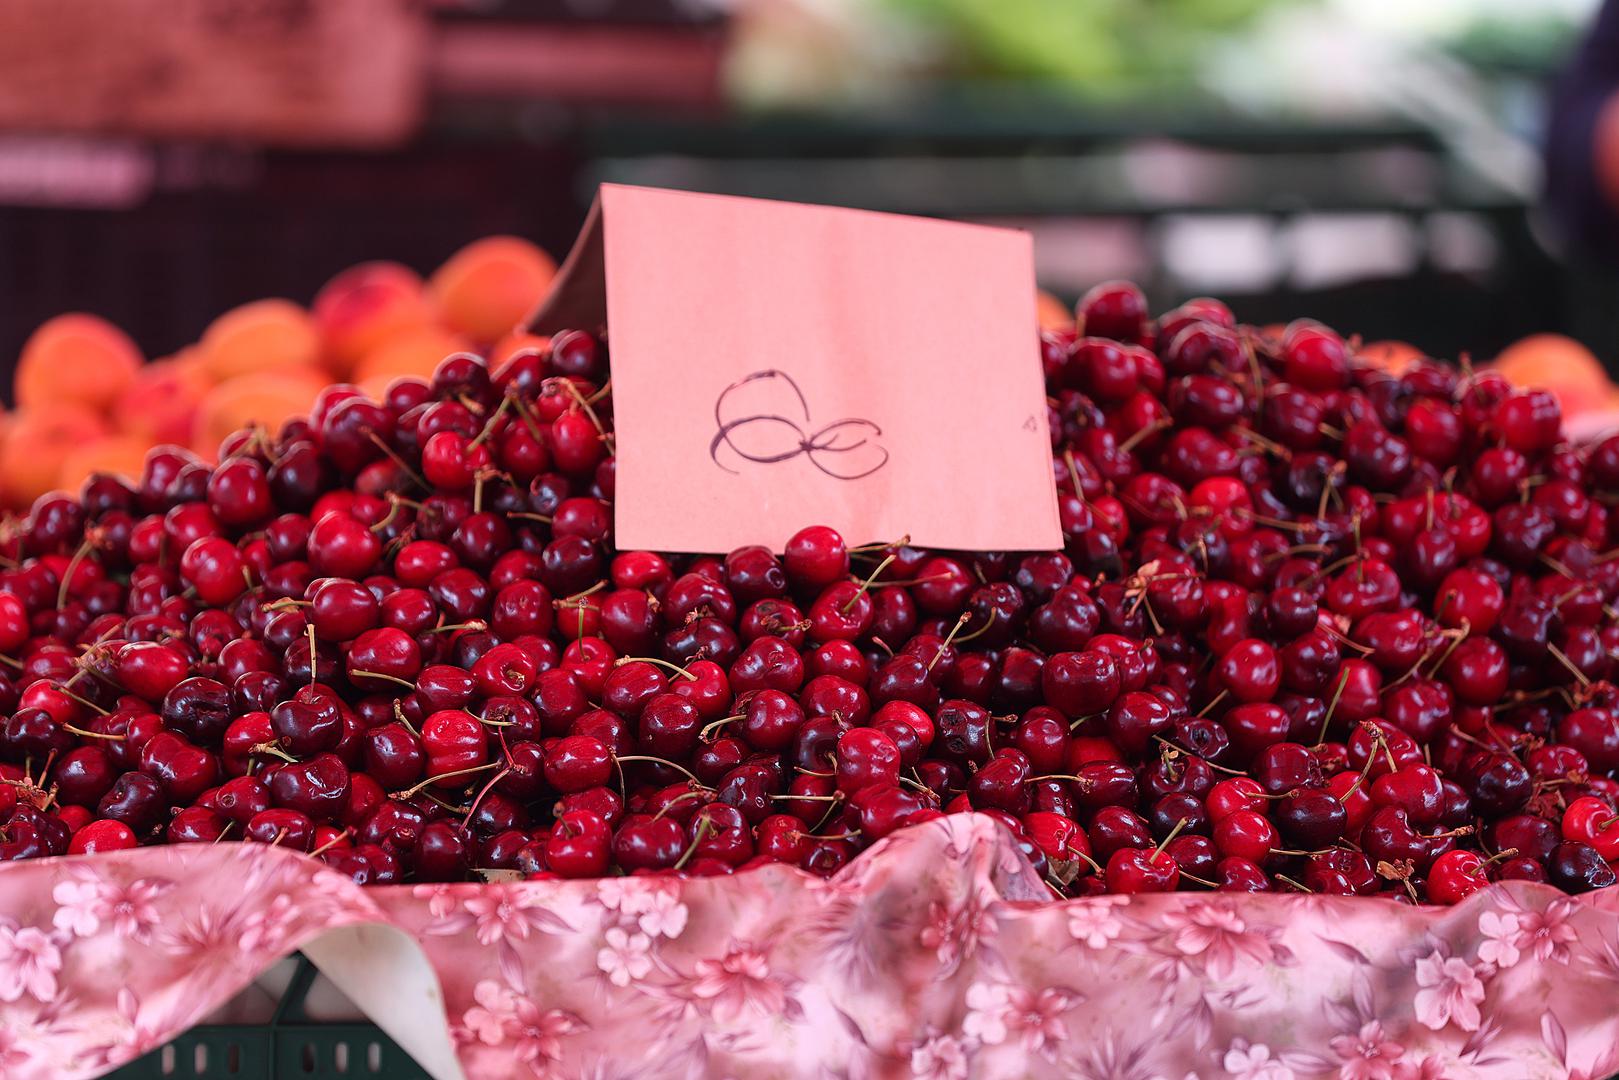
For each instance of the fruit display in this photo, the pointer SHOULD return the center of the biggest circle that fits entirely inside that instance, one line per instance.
(87, 403)
(1316, 627)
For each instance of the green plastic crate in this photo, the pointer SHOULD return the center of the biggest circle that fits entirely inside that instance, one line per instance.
(289, 1047)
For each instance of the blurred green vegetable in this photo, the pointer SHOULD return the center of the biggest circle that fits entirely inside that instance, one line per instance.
(1102, 48)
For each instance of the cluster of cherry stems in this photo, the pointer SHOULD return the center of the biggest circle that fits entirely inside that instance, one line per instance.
(1315, 628)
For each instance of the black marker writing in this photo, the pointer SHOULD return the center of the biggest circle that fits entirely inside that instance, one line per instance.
(773, 436)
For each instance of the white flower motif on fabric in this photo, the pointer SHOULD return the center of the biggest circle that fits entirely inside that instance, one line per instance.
(29, 963)
(625, 957)
(1500, 934)
(1451, 993)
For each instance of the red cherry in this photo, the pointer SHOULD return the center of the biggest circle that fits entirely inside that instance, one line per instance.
(1455, 875)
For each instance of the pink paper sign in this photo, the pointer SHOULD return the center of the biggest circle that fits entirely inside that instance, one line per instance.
(777, 365)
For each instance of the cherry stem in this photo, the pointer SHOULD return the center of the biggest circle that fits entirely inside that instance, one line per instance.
(489, 424)
(417, 789)
(333, 842)
(836, 796)
(682, 797)
(1182, 750)
(399, 715)
(72, 565)
(880, 545)
(621, 758)
(1151, 429)
(1221, 696)
(393, 456)
(528, 420)
(864, 585)
(1159, 850)
(707, 734)
(65, 692)
(676, 668)
(1562, 658)
(1073, 474)
(1326, 719)
(406, 683)
(314, 665)
(1205, 882)
(475, 624)
(945, 644)
(273, 750)
(1300, 887)
(493, 780)
(12, 661)
(87, 734)
(703, 829)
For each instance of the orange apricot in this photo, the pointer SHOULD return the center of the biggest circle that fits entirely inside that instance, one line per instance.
(365, 305)
(488, 287)
(412, 352)
(40, 440)
(159, 404)
(75, 359)
(124, 455)
(266, 398)
(266, 335)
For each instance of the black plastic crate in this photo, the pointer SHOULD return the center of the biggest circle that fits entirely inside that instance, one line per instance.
(289, 1047)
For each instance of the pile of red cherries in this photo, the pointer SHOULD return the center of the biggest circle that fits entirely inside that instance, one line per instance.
(1316, 627)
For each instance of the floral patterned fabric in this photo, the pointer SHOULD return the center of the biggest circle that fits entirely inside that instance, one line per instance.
(933, 955)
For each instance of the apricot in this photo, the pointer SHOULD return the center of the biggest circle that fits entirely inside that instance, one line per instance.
(413, 352)
(1551, 360)
(124, 455)
(266, 335)
(75, 359)
(267, 398)
(365, 305)
(488, 287)
(160, 403)
(41, 439)
(1390, 356)
(502, 350)
(1053, 313)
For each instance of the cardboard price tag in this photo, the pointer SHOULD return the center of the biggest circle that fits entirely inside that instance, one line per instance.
(777, 365)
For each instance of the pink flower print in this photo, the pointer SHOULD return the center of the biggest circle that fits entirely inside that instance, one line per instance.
(1218, 935)
(441, 899)
(661, 914)
(18, 1047)
(940, 1058)
(741, 980)
(503, 1017)
(486, 1021)
(955, 933)
(625, 957)
(1091, 920)
(1499, 933)
(1368, 1054)
(1252, 1061)
(29, 961)
(264, 930)
(620, 893)
(505, 913)
(1546, 933)
(1451, 992)
(1429, 1068)
(998, 1012)
(83, 905)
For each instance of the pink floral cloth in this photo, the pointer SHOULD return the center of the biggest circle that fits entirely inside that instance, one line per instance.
(933, 955)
